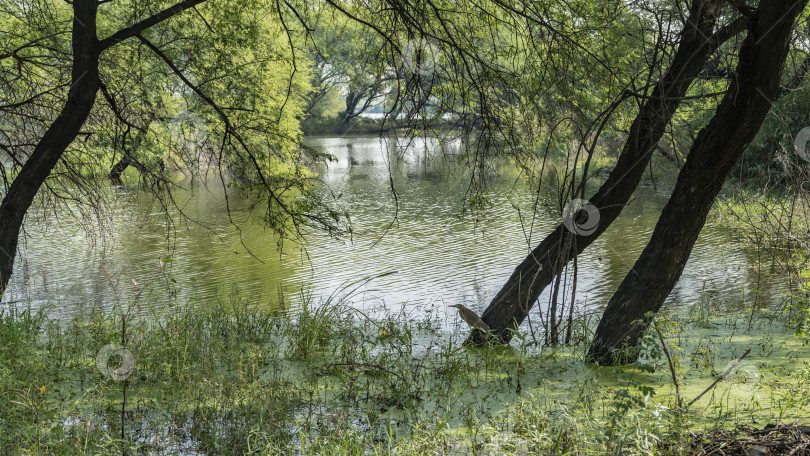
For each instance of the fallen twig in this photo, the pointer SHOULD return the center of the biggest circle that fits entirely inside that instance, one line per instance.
(722, 376)
(671, 368)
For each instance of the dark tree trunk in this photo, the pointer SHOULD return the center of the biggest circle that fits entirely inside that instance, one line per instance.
(713, 154)
(127, 160)
(122, 165)
(118, 169)
(512, 303)
(57, 138)
(352, 99)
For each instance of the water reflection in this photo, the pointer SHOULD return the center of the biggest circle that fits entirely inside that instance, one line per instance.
(441, 255)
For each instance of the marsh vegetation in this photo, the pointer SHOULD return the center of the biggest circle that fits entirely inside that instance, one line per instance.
(615, 194)
(231, 379)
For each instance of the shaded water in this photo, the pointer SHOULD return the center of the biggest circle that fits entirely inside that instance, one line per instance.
(437, 256)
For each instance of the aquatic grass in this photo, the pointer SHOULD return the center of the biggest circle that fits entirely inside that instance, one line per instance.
(315, 325)
(231, 379)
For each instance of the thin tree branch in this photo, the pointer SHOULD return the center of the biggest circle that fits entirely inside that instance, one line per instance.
(134, 29)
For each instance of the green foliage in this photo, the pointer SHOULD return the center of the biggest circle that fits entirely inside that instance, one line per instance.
(230, 379)
(798, 308)
(349, 71)
(317, 326)
(772, 157)
(217, 91)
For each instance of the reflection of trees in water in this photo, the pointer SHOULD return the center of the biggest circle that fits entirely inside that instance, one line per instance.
(437, 253)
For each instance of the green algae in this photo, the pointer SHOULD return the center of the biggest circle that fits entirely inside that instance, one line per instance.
(235, 380)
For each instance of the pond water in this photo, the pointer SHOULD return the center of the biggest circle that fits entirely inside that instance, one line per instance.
(435, 253)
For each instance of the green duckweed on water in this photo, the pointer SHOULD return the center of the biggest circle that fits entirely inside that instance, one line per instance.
(234, 380)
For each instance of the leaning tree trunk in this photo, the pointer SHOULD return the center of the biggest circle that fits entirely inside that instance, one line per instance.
(713, 154)
(352, 99)
(512, 303)
(57, 138)
(121, 166)
(126, 161)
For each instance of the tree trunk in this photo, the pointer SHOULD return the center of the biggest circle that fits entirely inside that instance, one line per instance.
(512, 303)
(118, 169)
(57, 138)
(126, 160)
(713, 154)
(122, 165)
(351, 105)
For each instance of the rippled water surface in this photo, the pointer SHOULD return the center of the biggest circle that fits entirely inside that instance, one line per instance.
(436, 254)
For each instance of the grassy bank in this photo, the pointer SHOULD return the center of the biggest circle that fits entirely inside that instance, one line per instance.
(234, 380)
